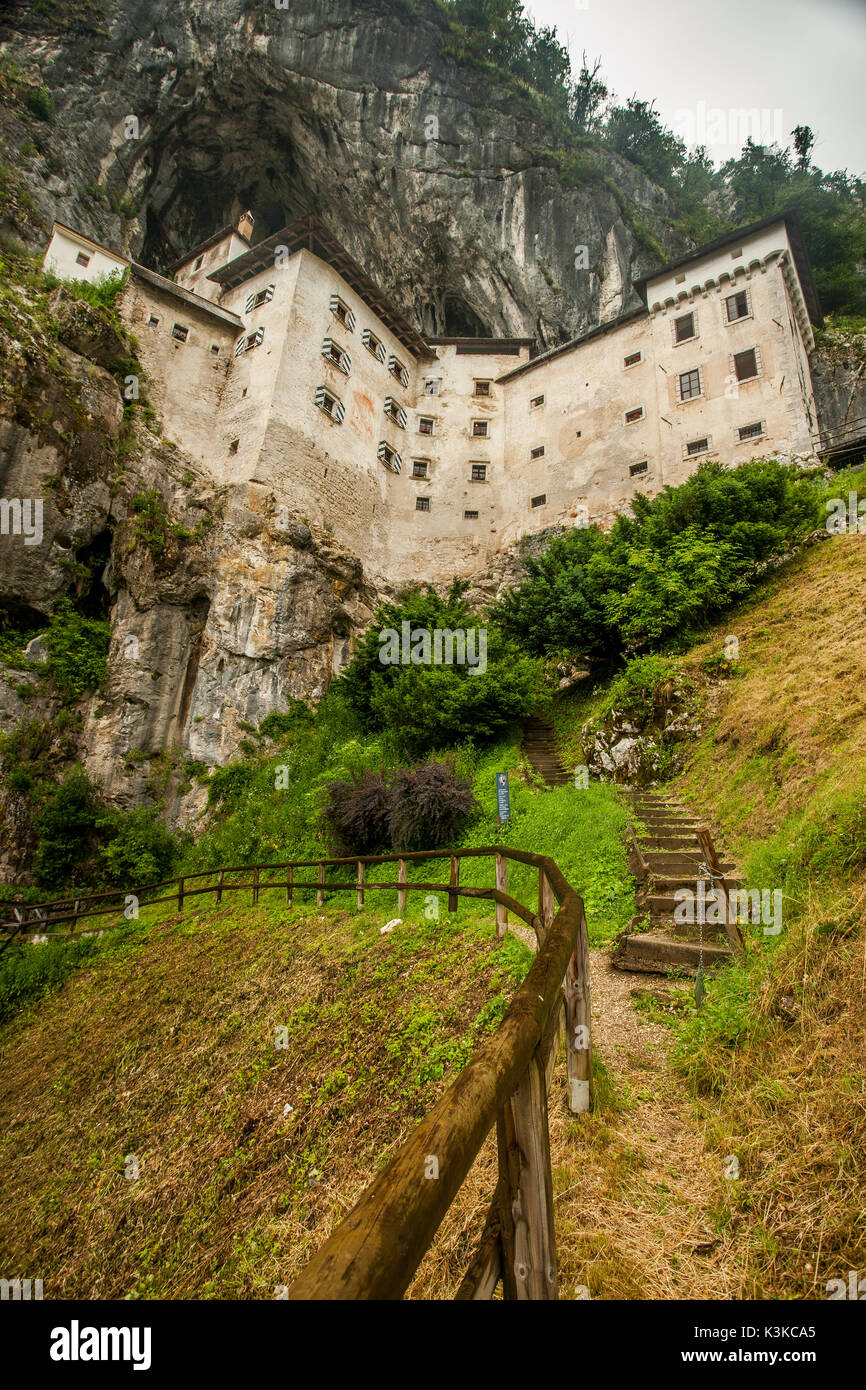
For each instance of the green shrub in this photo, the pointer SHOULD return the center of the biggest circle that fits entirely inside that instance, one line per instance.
(140, 849)
(77, 650)
(68, 835)
(29, 972)
(637, 688)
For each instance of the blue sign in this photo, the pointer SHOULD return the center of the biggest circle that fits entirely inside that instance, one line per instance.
(503, 800)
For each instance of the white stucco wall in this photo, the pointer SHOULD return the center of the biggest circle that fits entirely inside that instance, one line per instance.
(61, 257)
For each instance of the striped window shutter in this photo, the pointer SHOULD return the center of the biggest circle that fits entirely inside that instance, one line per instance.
(239, 346)
(350, 320)
(256, 338)
(249, 303)
(339, 412)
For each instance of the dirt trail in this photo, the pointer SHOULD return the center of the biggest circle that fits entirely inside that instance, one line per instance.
(635, 1184)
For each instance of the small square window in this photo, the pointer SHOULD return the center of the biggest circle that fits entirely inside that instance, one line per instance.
(632, 359)
(479, 429)
(373, 345)
(697, 446)
(482, 388)
(396, 368)
(82, 259)
(342, 313)
(214, 347)
(479, 473)
(537, 452)
(431, 386)
(746, 364)
(737, 306)
(419, 468)
(180, 333)
(470, 516)
(425, 425)
(751, 431)
(422, 504)
(684, 328)
(198, 264)
(233, 447)
(539, 501)
(631, 416)
(153, 321)
(536, 402)
(637, 468)
(690, 384)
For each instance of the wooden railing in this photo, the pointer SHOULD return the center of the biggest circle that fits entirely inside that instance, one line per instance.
(376, 1250)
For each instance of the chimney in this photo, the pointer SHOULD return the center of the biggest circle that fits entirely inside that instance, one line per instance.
(245, 225)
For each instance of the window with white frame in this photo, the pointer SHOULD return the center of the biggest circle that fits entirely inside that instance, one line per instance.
(420, 468)
(479, 429)
(537, 452)
(336, 355)
(737, 306)
(389, 456)
(153, 321)
(632, 416)
(82, 259)
(342, 313)
(536, 403)
(632, 359)
(199, 263)
(330, 404)
(638, 468)
(258, 298)
(180, 332)
(478, 473)
(431, 386)
(422, 504)
(250, 341)
(482, 388)
(745, 366)
(690, 385)
(395, 412)
(425, 424)
(747, 432)
(374, 345)
(694, 447)
(685, 327)
(396, 368)
(470, 515)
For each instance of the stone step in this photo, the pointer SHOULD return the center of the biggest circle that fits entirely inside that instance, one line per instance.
(665, 861)
(669, 883)
(664, 904)
(676, 842)
(657, 952)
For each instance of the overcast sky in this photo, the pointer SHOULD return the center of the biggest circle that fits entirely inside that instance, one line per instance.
(801, 62)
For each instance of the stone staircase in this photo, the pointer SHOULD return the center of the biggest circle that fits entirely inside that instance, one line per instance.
(539, 746)
(665, 855)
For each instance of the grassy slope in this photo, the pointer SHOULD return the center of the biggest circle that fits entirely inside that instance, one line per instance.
(163, 1046)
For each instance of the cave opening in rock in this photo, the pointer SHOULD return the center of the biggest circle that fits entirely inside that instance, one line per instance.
(92, 595)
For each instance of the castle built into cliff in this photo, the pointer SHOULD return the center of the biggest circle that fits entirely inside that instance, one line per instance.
(282, 363)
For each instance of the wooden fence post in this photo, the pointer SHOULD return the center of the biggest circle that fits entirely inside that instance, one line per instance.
(732, 929)
(401, 892)
(578, 1037)
(255, 885)
(219, 891)
(180, 895)
(453, 881)
(360, 883)
(502, 886)
(289, 884)
(526, 1213)
(320, 896)
(546, 904)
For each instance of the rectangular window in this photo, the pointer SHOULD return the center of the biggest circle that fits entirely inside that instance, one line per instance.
(697, 446)
(373, 345)
(258, 298)
(751, 431)
(233, 447)
(251, 341)
(214, 349)
(431, 386)
(540, 500)
(395, 412)
(470, 516)
(342, 313)
(737, 306)
(425, 425)
(684, 328)
(153, 321)
(632, 415)
(336, 355)
(419, 468)
(396, 368)
(689, 384)
(637, 468)
(82, 259)
(330, 404)
(746, 364)
(479, 429)
(482, 388)
(479, 473)
(632, 359)
(389, 457)
(199, 262)
(180, 333)
(536, 402)
(422, 504)
(537, 452)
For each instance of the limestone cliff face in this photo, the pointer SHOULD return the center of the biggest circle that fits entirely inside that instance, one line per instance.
(839, 377)
(439, 182)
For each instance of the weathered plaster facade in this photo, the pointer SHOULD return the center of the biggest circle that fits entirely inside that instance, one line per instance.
(426, 457)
